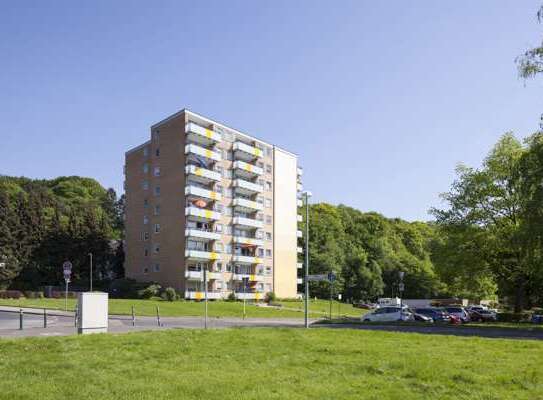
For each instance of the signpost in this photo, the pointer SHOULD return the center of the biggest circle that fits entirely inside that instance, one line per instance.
(330, 277)
(67, 269)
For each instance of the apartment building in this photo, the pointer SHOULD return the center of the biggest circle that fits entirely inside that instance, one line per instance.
(203, 196)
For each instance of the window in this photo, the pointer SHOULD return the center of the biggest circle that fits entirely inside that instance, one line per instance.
(157, 209)
(157, 190)
(228, 229)
(156, 136)
(218, 228)
(157, 171)
(218, 188)
(145, 185)
(156, 267)
(145, 168)
(218, 247)
(156, 248)
(145, 270)
(219, 169)
(145, 203)
(219, 207)
(267, 203)
(259, 217)
(268, 219)
(157, 228)
(145, 220)
(268, 168)
(228, 173)
(268, 236)
(145, 151)
(229, 267)
(157, 152)
(259, 235)
(268, 185)
(146, 252)
(260, 200)
(227, 136)
(260, 164)
(227, 211)
(228, 248)
(268, 151)
(229, 156)
(268, 270)
(145, 236)
(219, 266)
(261, 252)
(268, 253)
(228, 192)
(260, 182)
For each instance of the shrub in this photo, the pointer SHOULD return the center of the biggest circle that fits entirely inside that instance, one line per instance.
(169, 294)
(57, 294)
(514, 317)
(270, 297)
(152, 290)
(33, 295)
(11, 294)
(126, 288)
(231, 297)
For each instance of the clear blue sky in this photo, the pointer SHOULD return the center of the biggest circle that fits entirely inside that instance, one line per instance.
(380, 99)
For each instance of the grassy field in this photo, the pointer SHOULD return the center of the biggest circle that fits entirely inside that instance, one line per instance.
(323, 307)
(177, 308)
(270, 364)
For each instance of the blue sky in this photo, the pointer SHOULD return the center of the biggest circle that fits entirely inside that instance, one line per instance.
(380, 100)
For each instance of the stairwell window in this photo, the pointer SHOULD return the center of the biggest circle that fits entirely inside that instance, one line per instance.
(157, 171)
(156, 248)
(157, 190)
(156, 268)
(157, 210)
(157, 228)
(145, 220)
(268, 253)
(145, 168)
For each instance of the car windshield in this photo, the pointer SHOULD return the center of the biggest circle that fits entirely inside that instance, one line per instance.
(454, 309)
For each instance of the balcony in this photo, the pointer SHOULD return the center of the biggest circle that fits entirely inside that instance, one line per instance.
(200, 134)
(299, 171)
(299, 250)
(247, 169)
(299, 203)
(247, 240)
(299, 187)
(196, 191)
(200, 295)
(299, 281)
(194, 275)
(246, 152)
(249, 277)
(201, 255)
(250, 296)
(299, 265)
(202, 213)
(247, 222)
(299, 234)
(202, 174)
(247, 205)
(247, 187)
(299, 218)
(201, 234)
(214, 275)
(203, 152)
(246, 259)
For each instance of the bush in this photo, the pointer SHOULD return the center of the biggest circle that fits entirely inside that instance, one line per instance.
(11, 294)
(33, 295)
(152, 290)
(169, 294)
(514, 317)
(126, 288)
(231, 297)
(57, 294)
(270, 297)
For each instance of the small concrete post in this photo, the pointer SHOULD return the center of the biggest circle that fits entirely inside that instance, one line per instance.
(133, 317)
(157, 316)
(21, 319)
(45, 317)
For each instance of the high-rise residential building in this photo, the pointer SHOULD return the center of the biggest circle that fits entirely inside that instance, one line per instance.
(203, 196)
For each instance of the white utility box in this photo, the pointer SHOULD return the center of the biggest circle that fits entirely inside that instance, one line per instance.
(92, 312)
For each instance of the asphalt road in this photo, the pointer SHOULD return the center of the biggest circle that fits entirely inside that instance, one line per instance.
(11, 320)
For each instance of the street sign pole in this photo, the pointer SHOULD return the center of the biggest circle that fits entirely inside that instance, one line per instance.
(67, 269)
(205, 294)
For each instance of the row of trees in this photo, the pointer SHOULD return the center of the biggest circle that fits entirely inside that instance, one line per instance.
(45, 222)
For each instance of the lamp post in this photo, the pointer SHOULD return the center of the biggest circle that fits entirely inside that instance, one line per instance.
(90, 275)
(307, 195)
(401, 274)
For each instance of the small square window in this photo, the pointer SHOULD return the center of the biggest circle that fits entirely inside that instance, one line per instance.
(157, 209)
(268, 253)
(157, 190)
(145, 185)
(145, 168)
(267, 203)
(145, 270)
(145, 220)
(268, 236)
(218, 228)
(146, 252)
(156, 248)
(145, 236)
(268, 168)
(268, 185)
(268, 219)
(145, 151)
(157, 152)
(261, 252)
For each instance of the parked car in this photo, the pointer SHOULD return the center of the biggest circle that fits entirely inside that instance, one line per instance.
(387, 314)
(459, 312)
(483, 316)
(422, 318)
(437, 314)
(365, 306)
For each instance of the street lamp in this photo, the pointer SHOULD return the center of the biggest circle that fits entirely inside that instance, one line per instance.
(90, 274)
(306, 195)
(401, 274)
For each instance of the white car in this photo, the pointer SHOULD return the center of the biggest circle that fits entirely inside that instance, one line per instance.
(387, 314)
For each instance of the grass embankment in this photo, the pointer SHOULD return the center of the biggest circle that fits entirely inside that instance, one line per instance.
(323, 307)
(270, 364)
(178, 308)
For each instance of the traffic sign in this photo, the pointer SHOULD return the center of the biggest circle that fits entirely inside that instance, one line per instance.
(67, 268)
(331, 276)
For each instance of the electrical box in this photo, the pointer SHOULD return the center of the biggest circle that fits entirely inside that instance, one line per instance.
(92, 312)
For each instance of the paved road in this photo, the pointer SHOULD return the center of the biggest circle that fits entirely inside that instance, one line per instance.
(464, 330)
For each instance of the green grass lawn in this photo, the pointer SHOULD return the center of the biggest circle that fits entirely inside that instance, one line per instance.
(170, 309)
(323, 307)
(263, 363)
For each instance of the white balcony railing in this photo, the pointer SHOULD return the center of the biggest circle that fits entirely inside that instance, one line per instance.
(201, 234)
(201, 255)
(299, 265)
(207, 133)
(200, 295)
(299, 234)
(250, 277)
(201, 192)
(249, 222)
(299, 250)
(251, 150)
(201, 151)
(299, 218)
(253, 169)
(246, 259)
(194, 275)
(300, 171)
(250, 296)
(299, 202)
(299, 187)
(202, 213)
(246, 240)
(203, 172)
(299, 281)
(252, 205)
(248, 186)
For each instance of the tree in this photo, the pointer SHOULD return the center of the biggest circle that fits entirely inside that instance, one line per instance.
(530, 63)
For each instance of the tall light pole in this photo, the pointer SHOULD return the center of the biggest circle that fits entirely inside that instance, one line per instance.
(90, 275)
(307, 195)
(400, 289)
